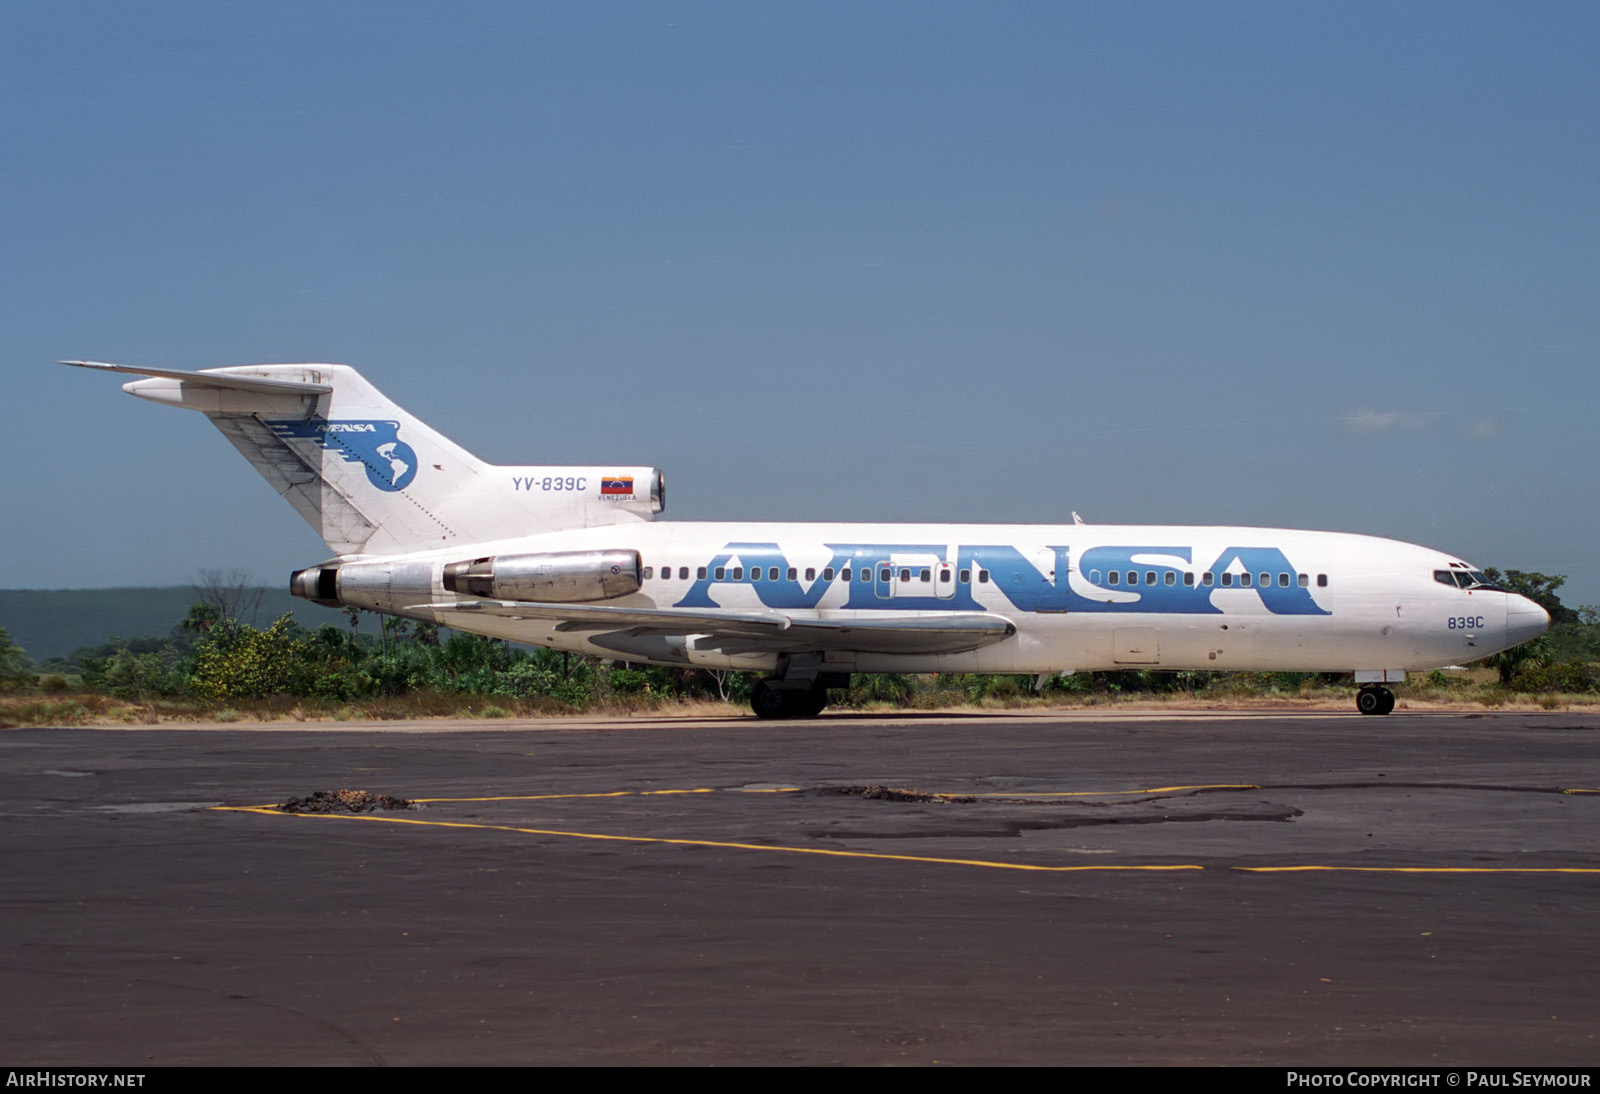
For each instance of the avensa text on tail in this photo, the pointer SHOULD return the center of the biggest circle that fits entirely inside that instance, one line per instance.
(574, 558)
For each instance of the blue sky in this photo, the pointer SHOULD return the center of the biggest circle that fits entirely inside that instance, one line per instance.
(1305, 265)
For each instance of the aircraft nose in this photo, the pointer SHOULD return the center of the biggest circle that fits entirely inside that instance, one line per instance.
(1525, 620)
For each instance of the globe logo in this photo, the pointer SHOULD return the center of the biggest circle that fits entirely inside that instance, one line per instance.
(389, 462)
(402, 466)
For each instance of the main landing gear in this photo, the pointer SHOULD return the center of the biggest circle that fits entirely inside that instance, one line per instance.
(774, 702)
(1372, 699)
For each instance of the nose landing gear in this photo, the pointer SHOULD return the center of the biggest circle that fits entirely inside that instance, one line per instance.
(1372, 699)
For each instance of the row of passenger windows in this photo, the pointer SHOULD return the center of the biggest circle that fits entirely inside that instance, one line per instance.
(925, 574)
(737, 573)
(1225, 580)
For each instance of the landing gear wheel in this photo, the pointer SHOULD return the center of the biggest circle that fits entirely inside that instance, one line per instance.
(809, 704)
(769, 702)
(1374, 700)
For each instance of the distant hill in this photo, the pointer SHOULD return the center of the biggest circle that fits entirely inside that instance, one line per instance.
(55, 622)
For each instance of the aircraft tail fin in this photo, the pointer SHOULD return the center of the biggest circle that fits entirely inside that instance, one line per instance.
(372, 479)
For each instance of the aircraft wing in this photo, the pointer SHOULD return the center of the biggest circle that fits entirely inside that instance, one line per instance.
(925, 632)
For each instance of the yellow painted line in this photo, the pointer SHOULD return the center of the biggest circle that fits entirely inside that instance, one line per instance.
(797, 789)
(274, 810)
(1106, 793)
(556, 797)
(528, 797)
(721, 844)
(1420, 869)
(553, 797)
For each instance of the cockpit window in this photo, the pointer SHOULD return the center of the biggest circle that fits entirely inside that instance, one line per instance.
(1467, 579)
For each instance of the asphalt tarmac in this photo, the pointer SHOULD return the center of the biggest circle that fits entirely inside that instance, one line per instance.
(1422, 889)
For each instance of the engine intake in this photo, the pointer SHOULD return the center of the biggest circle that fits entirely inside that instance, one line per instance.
(560, 577)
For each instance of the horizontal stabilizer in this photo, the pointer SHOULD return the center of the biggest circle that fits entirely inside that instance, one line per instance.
(227, 380)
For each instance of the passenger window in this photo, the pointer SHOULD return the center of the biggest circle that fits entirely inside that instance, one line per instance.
(965, 576)
(772, 574)
(1206, 578)
(810, 572)
(1188, 579)
(1244, 579)
(827, 574)
(845, 573)
(927, 575)
(905, 574)
(721, 572)
(1266, 581)
(983, 577)
(1172, 578)
(1094, 577)
(944, 577)
(1114, 577)
(1227, 581)
(755, 573)
(791, 574)
(885, 575)
(1304, 581)
(1322, 581)
(649, 572)
(1133, 577)
(1283, 581)
(738, 573)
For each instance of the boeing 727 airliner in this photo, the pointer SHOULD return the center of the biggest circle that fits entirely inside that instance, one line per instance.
(573, 558)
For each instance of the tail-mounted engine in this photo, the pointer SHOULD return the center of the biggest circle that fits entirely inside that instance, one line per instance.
(318, 584)
(396, 585)
(558, 577)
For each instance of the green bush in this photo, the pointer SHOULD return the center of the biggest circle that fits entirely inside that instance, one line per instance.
(16, 670)
(1564, 676)
(129, 675)
(627, 681)
(884, 687)
(233, 661)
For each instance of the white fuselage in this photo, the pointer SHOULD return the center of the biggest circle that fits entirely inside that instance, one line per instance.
(1082, 597)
